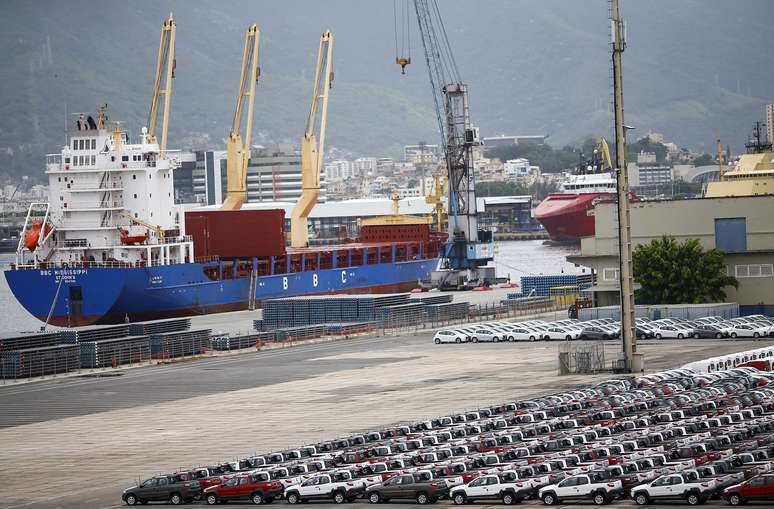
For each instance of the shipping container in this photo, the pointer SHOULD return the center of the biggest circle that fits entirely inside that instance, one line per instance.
(237, 233)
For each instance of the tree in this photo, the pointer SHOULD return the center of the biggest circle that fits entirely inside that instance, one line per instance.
(704, 160)
(484, 189)
(674, 273)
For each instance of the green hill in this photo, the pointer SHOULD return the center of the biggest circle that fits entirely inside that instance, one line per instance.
(694, 70)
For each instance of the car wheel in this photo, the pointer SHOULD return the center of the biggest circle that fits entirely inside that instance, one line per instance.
(605, 336)
(641, 498)
(211, 499)
(422, 498)
(438, 341)
(658, 335)
(339, 497)
(692, 499)
(131, 499)
(459, 498)
(474, 339)
(719, 335)
(532, 338)
(549, 499)
(696, 336)
(175, 499)
(257, 498)
(600, 499)
(458, 340)
(756, 335)
(733, 334)
(680, 335)
(375, 497)
(568, 337)
(511, 338)
(508, 499)
(293, 498)
(495, 339)
(735, 499)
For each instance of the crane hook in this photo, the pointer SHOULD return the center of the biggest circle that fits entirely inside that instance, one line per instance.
(403, 62)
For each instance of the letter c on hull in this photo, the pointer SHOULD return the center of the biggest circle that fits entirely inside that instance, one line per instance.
(343, 276)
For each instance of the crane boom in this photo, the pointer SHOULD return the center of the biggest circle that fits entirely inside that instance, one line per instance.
(312, 151)
(238, 151)
(468, 248)
(165, 69)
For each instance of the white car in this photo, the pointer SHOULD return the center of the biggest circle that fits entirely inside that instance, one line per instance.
(557, 332)
(325, 486)
(484, 334)
(673, 487)
(519, 333)
(577, 487)
(748, 330)
(449, 336)
(672, 331)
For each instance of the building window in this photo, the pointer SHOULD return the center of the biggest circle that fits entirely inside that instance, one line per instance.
(93, 160)
(75, 144)
(124, 158)
(731, 234)
(754, 270)
(94, 143)
(610, 274)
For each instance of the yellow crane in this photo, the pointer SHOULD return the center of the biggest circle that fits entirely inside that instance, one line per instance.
(238, 152)
(165, 69)
(152, 227)
(604, 151)
(436, 198)
(311, 151)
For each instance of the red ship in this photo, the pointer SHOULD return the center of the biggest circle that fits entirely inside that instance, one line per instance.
(567, 215)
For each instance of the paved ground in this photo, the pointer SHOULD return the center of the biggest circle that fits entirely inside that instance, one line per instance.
(75, 443)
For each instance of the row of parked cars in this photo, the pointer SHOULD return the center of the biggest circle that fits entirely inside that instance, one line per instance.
(754, 326)
(675, 435)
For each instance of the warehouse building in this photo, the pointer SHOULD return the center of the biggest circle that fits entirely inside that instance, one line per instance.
(738, 226)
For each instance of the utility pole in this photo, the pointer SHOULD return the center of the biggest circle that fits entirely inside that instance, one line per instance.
(628, 334)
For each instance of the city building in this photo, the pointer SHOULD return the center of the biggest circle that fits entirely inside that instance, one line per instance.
(647, 177)
(365, 166)
(422, 153)
(519, 169)
(770, 122)
(337, 170)
(738, 226)
(508, 140)
(183, 178)
(273, 174)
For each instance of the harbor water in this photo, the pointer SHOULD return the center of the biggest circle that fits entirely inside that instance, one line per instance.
(514, 259)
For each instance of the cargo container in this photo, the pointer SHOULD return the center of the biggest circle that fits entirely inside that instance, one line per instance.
(236, 233)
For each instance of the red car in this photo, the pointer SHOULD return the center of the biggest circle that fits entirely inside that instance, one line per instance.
(256, 487)
(757, 488)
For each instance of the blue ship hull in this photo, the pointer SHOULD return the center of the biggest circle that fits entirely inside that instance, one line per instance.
(84, 296)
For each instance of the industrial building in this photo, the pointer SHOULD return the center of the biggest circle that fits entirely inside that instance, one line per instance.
(506, 214)
(738, 226)
(273, 174)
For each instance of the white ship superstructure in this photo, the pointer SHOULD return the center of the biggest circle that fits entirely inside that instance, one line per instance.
(111, 203)
(589, 183)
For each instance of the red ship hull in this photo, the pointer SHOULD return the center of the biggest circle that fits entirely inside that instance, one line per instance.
(567, 217)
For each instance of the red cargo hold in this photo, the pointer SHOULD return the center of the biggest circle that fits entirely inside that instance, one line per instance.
(237, 233)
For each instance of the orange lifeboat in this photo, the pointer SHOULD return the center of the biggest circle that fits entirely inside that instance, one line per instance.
(128, 240)
(32, 235)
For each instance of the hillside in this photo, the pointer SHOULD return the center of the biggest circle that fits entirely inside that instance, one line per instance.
(694, 70)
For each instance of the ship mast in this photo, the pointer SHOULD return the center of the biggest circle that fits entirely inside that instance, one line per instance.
(628, 335)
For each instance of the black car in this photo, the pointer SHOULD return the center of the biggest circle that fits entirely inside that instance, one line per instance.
(162, 489)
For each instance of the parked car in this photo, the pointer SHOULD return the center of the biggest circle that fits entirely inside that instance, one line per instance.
(758, 488)
(406, 487)
(750, 330)
(162, 489)
(580, 487)
(594, 333)
(484, 334)
(706, 330)
(557, 332)
(673, 487)
(449, 336)
(256, 487)
(324, 487)
(673, 331)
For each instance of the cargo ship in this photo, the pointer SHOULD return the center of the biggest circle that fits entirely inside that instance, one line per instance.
(111, 245)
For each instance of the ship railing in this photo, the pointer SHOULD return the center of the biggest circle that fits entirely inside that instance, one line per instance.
(109, 264)
(178, 239)
(53, 158)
